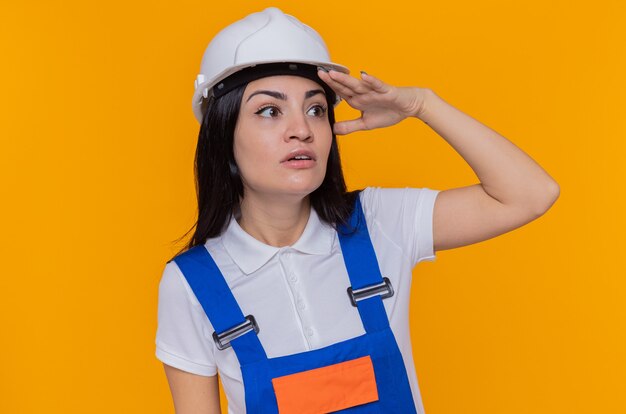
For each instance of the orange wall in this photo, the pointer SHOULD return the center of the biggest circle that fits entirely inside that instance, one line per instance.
(97, 139)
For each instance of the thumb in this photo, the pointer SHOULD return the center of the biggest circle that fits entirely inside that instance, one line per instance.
(346, 127)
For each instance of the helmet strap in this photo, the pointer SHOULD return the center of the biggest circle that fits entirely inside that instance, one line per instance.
(252, 73)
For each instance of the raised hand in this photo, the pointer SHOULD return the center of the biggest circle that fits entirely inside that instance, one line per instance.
(381, 105)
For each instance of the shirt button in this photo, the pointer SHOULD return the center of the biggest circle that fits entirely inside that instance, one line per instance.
(301, 306)
(309, 332)
(293, 277)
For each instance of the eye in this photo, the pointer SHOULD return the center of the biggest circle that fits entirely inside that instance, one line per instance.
(268, 112)
(317, 111)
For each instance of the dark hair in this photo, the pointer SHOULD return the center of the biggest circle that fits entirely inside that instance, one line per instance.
(218, 183)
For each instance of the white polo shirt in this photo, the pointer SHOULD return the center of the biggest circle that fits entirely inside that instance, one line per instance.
(298, 293)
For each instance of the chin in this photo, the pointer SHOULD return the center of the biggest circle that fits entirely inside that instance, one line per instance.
(302, 189)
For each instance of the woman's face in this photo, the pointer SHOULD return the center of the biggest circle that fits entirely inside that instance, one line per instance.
(283, 136)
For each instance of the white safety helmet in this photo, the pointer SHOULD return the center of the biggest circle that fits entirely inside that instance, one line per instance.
(267, 37)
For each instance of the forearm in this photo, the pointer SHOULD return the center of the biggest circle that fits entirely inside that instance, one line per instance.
(505, 172)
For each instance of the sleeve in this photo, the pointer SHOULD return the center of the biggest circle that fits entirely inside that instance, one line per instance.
(182, 338)
(405, 216)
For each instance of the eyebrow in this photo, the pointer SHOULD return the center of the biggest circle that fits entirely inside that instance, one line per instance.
(282, 96)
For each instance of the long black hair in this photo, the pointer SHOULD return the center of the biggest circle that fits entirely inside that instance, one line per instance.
(219, 188)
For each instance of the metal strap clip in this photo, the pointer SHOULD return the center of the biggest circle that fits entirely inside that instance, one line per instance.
(222, 341)
(384, 289)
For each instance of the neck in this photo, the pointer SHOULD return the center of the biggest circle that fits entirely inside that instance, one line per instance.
(274, 221)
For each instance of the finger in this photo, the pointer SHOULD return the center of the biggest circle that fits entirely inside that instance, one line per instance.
(375, 83)
(357, 85)
(340, 89)
(347, 85)
(346, 127)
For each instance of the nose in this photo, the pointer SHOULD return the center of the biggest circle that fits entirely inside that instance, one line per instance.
(298, 128)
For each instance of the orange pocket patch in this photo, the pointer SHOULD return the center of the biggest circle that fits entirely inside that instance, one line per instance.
(327, 389)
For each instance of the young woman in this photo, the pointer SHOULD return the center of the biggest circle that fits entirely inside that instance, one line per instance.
(295, 291)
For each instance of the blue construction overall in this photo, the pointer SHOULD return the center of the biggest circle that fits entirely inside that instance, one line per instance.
(370, 364)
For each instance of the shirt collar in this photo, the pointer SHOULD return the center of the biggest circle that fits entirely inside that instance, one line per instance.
(250, 254)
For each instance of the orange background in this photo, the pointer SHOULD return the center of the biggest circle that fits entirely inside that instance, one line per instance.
(97, 142)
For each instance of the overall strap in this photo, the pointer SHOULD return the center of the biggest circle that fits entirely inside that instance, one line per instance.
(362, 265)
(219, 304)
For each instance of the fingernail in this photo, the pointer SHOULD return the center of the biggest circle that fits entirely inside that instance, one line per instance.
(363, 72)
(323, 69)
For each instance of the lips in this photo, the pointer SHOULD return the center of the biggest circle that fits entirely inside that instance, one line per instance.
(299, 154)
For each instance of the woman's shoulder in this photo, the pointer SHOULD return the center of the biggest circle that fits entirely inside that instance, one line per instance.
(173, 286)
(402, 216)
(380, 200)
